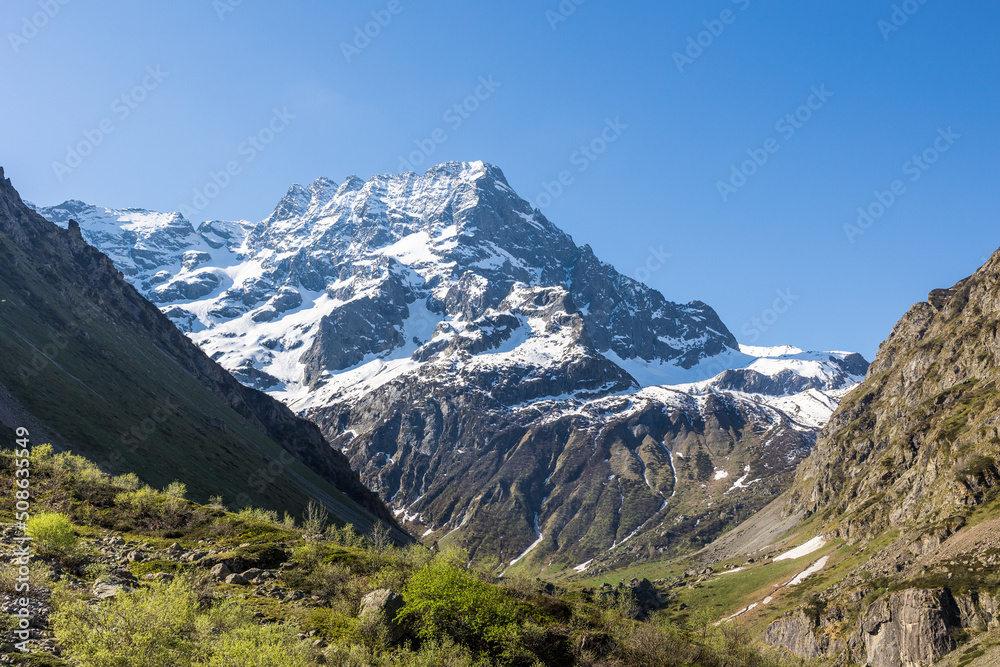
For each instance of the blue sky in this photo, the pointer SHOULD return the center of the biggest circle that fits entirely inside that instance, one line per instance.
(201, 76)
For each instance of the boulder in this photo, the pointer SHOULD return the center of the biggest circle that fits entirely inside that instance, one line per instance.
(380, 608)
(220, 571)
(254, 575)
(104, 589)
(238, 580)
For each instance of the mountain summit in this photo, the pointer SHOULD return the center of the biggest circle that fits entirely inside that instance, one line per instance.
(498, 384)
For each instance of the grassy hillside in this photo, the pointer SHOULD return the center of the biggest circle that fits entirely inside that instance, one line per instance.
(125, 576)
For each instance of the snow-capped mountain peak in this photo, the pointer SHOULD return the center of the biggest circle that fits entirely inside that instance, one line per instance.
(426, 314)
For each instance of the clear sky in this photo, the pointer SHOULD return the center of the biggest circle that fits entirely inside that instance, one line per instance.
(683, 91)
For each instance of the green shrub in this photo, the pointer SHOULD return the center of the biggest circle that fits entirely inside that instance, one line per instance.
(41, 455)
(127, 482)
(166, 626)
(258, 646)
(144, 501)
(345, 536)
(258, 517)
(154, 627)
(446, 600)
(52, 533)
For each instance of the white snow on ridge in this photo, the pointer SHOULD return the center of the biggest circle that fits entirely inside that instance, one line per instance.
(413, 229)
(657, 373)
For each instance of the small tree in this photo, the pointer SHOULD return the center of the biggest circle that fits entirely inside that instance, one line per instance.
(446, 600)
(52, 533)
(316, 518)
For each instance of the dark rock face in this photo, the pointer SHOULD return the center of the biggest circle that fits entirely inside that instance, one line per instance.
(587, 476)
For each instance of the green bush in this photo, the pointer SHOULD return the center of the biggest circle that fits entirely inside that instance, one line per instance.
(154, 627)
(446, 600)
(258, 646)
(52, 533)
(165, 626)
(144, 501)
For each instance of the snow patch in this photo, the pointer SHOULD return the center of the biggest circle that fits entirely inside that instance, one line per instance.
(809, 547)
(811, 570)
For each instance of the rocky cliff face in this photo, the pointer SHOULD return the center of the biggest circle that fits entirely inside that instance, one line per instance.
(909, 628)
(914, 627)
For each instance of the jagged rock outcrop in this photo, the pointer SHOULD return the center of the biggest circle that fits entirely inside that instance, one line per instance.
(800, 634)
(919, 441)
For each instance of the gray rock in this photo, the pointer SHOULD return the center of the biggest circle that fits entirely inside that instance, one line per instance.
(254, 575)
(380, 608)
(220, 571)
(238, 580)
(794, 633)
(103, 589)
(909, 628)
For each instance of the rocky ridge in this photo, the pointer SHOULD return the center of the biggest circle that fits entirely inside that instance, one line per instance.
(906, 472)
